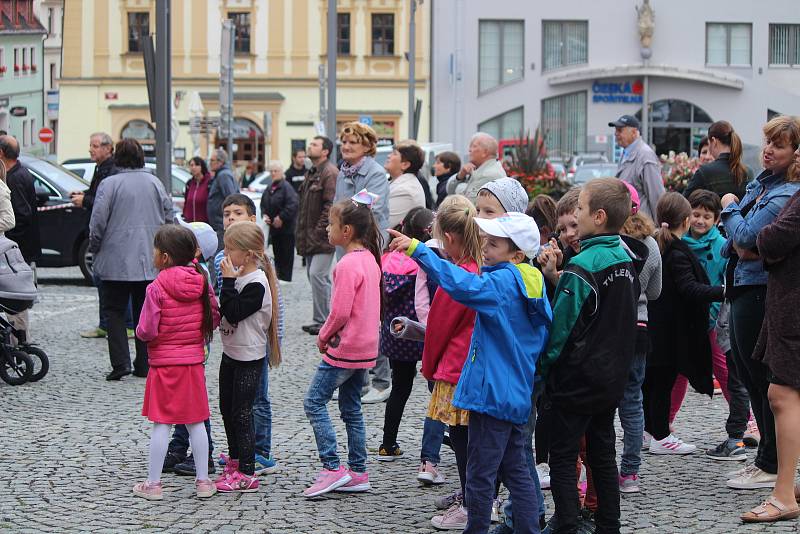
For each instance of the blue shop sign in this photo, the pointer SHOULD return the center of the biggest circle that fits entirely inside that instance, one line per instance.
(617, 92)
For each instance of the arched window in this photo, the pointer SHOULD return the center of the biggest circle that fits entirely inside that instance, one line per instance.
(248, 139)
(140, 130)
(676, 125)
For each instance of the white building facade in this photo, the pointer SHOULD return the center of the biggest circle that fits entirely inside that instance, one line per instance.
(511, 65)
(51, 15)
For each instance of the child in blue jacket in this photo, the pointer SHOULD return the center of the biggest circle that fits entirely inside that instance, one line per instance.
(511, 328)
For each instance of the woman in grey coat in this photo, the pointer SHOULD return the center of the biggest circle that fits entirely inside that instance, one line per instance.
(129, 208)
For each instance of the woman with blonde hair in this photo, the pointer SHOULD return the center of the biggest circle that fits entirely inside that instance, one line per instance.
(360, 171)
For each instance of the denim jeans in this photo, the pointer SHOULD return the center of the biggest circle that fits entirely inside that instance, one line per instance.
(179, 443)
(631, 416)
(528, 429)
(102, 323)
(432, 437)
(262, 415)
(349, 382)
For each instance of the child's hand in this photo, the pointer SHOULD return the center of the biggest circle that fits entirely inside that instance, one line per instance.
(322, 346)
(400, 242)
(398, 327)
(227, 268)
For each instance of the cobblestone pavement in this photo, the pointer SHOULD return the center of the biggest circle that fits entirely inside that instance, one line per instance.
(73, 444)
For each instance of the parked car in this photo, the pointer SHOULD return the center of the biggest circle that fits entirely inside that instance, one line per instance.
(260, 183)
(63, 228)
(582, 159)
(590, 171)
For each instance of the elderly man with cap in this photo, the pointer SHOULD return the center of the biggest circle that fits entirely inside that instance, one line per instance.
(639, 165)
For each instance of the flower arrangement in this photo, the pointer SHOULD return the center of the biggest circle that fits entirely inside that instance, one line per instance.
(3, 69)
(677, 169)
(528, 164)
(16, 68)
(25, 68)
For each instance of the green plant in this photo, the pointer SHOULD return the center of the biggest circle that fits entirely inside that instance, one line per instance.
(529, 156)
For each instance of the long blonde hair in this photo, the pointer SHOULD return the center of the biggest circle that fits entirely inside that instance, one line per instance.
(248, 237)
(456, 215)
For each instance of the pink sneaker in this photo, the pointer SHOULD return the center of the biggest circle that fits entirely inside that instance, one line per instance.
(328, 480)
(205, 488)
(237, 481)
(358, 482)
(231, 467)
(152, 491)
(628, 483)
(429, 474)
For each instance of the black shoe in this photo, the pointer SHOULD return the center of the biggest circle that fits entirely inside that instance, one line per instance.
(171, 461)
(306, 327)
(140, 373)
(314, 329)
(186, 468)
(117, 374)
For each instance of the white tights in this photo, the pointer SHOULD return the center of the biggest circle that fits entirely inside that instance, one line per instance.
(159, 442)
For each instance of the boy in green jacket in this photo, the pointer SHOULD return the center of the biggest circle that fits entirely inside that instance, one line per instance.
(586, 363)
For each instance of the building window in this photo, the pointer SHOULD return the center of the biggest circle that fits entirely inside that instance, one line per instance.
(728, 45)
(784, 44)
(241, 20)
(343, 34)
(51, 21)
(138, 29)
(26, 133)
(33, 59)
(382, 34)
(564, 43)
(17, 66)
(504, 126)
(25, 65)
(53, 75)
(564, 123)
(3, 67)
(501, 49)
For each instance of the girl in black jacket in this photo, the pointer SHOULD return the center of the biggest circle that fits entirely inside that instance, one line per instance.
(678, 326)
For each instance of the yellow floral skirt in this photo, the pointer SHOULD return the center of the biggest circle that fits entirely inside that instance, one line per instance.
(441, 407)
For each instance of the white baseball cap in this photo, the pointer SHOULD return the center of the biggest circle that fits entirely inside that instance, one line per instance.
(517, 227)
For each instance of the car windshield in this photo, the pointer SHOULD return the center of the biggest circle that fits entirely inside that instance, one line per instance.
(589, 172)
(58, 174)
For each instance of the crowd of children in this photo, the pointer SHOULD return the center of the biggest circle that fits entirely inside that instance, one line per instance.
(549, 320)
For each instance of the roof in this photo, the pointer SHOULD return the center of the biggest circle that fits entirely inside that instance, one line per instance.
(24, 25)
(664, 71)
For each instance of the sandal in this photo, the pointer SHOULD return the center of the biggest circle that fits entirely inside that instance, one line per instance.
(769, 511)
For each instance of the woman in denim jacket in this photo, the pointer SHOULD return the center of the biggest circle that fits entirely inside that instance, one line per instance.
(746, 281)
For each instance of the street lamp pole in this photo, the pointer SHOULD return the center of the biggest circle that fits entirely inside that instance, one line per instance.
(412, 52)
(330, 121)
(163, 94)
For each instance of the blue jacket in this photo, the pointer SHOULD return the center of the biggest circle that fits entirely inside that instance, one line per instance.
(744, 230)
(511, 328)
(708, 251)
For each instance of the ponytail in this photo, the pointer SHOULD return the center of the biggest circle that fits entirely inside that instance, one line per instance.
(724, 133)
(456, 215)
(207, 325)
(274, 342)
(672, 211)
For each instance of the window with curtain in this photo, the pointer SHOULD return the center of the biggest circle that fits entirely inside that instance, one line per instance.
(504, 126)
(138, 29)
(241, 40)
(784, 44)
(343, 34)
(564, 43)
(564, 123)
(728, 44)
(501, 52)
(382, 34)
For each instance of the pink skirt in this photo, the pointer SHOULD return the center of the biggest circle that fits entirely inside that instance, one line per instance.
(176, 394)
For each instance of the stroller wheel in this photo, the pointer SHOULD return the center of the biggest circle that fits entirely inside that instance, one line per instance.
(41, 363)
(16, 367)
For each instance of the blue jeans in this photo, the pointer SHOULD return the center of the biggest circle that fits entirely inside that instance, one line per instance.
(262, 415)
(631, 416)
(102, 323)
(497, 446)
(179, 443)
(349, 382)
(528, 429)
(432, 436)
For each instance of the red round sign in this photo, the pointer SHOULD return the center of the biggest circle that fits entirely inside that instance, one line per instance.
(46, 135)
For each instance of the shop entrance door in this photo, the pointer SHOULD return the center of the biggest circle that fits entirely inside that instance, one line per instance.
(676, 125)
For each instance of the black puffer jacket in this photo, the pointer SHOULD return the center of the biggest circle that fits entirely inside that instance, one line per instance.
(280, 199)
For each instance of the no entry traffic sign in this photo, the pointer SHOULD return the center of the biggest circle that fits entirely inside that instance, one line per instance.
(46, 135)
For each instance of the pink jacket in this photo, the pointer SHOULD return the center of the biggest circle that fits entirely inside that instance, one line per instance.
(172, 317)
(351, 330)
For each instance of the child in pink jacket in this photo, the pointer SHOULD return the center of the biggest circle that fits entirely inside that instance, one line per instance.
(177, 320)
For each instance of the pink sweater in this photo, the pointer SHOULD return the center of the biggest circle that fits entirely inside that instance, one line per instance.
(352, 328)
(172, 317)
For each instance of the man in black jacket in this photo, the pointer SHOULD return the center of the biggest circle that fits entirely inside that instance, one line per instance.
(101, 150)
(23, 201)
(279, 210)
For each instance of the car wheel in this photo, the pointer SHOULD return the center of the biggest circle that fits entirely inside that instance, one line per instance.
(85, 261)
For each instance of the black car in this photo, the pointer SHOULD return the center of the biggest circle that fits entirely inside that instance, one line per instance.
(63, 228)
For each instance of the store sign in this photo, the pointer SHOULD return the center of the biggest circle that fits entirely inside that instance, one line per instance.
(617, 92)
(19, 111)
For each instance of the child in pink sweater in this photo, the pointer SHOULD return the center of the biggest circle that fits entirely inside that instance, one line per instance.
(348, 342)
(177, 320)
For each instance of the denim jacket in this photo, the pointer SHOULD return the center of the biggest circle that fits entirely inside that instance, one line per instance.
(743, 230)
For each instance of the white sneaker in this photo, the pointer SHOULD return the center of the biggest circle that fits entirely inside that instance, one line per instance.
(671, 445)
(376, 395)
(741, 471)
(753, 478)
(496, 506)
(646, 439)
(429, 474)
(543, 470)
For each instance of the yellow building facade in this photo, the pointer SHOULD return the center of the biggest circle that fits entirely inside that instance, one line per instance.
(279, 47)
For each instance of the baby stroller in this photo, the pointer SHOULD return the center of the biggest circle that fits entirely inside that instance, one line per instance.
(22, 362)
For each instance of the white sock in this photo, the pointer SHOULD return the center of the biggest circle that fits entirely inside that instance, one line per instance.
(199, 441)
(159, 441)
